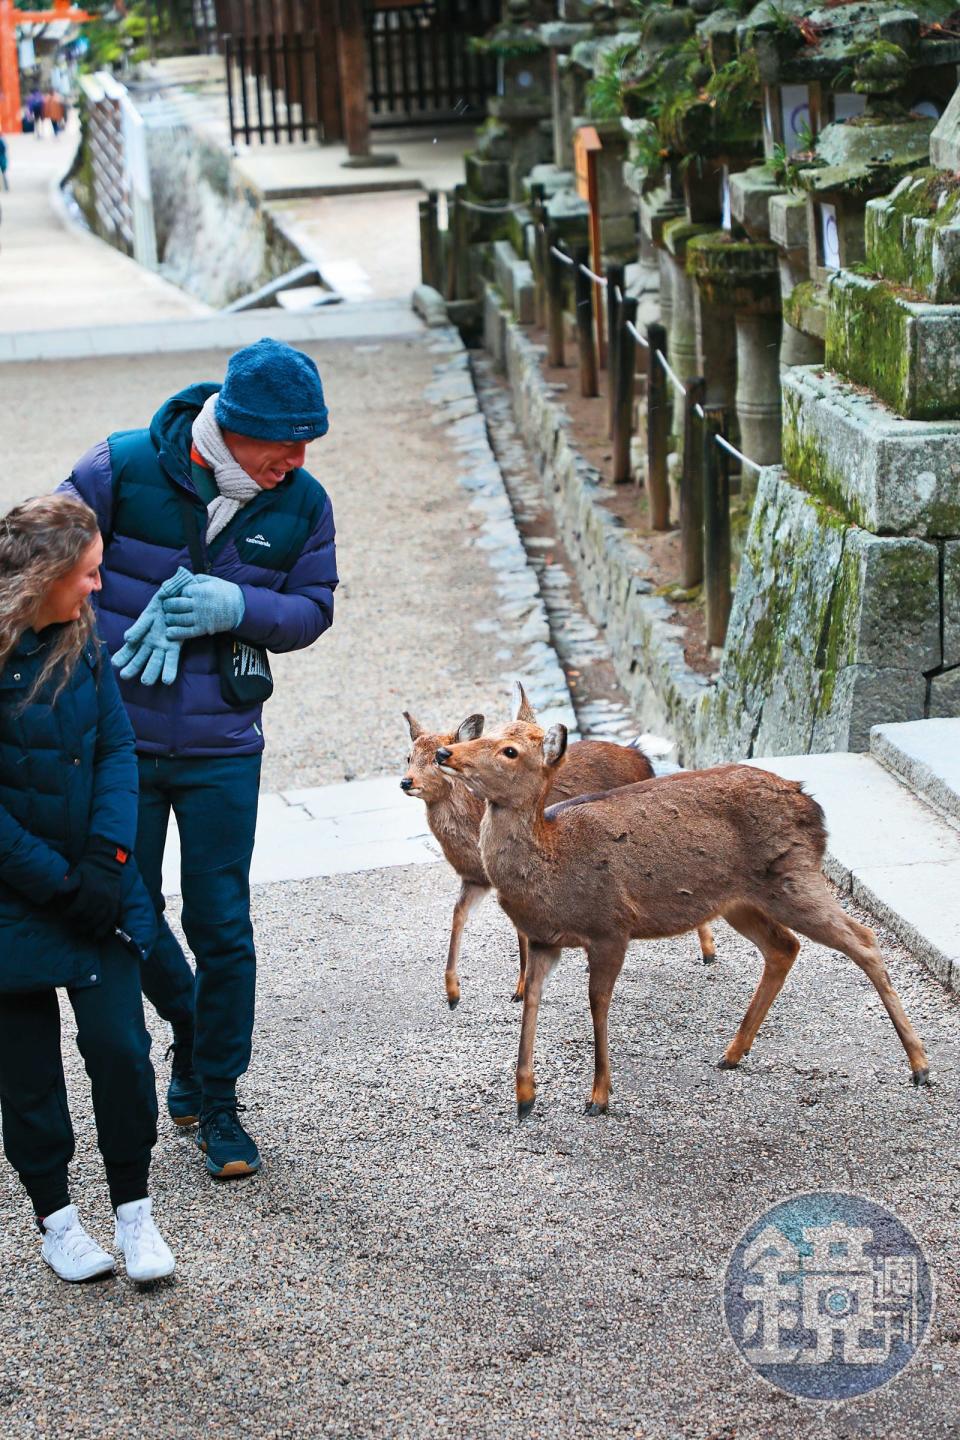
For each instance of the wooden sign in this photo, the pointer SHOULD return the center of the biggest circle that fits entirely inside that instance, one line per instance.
(586, 146)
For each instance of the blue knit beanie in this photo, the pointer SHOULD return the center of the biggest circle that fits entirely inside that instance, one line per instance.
(272, 392)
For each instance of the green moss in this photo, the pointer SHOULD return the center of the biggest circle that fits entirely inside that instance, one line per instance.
(868, 340)
(902, 234)
(806, 466)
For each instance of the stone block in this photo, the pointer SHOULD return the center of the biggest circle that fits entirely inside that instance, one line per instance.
(912, 236)
(890, 475)
(504, 260)
(830, 631)
(907, 353)
(487, 179)
(569, 216)
(751, 192)
(551, 177)
(429, 304)
(494, 326)
(885, 605)
(657, 209)
(951, 602)
(863, 696)
(514, 278)
(945, 137)
(944, 701)
(788, 221)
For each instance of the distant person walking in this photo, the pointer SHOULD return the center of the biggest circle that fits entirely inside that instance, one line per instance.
(53, 111)
(219, 548)
(35, 107)
(4, 163)
(74, 913)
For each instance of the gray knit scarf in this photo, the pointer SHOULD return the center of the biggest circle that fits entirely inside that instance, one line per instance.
(235, 485)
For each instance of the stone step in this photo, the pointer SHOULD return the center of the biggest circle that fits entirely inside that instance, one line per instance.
(888, 849)
(925, 756)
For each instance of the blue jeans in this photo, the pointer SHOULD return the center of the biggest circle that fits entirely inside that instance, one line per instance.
(215, 804)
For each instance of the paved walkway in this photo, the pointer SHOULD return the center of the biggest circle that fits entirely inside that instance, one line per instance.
(52, 274)
(411, 1262)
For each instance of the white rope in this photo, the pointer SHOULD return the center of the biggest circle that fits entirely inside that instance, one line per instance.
(744, 460)
(487, 209)
(640, 339)
(598, 279)
(664, 364)
(618, 294)
(698, 410)
(567, 259)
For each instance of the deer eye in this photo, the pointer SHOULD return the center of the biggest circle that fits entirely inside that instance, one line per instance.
(509, 751)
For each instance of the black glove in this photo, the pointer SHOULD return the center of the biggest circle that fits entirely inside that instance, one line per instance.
(91, 893)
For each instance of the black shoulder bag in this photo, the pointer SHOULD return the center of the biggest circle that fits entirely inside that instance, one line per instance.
(245, 675)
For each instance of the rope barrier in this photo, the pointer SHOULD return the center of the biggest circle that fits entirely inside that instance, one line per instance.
(737, 454)
(671, 373)
(618, 294)
(567, 259)
(698, 410)
(597, 279)
(487, 209)
(640, 339)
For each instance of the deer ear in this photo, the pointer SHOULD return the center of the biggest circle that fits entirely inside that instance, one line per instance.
(522, 709)
(469, 729)
(555, 744)
(415, 729)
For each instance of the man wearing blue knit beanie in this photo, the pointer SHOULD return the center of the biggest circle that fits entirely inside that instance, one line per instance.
(218, 548)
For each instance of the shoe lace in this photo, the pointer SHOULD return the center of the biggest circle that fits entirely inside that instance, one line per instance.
(76, 1242)
(182, 1063)
(142, 1231)
(222, 1118)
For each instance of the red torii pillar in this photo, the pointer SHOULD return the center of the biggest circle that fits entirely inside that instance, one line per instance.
(10, 103)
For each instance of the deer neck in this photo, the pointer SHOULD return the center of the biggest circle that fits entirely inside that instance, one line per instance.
(514, 845)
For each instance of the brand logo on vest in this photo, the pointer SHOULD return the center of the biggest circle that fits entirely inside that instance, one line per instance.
(258, 540)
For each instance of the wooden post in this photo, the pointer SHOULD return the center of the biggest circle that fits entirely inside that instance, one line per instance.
(716, 526)
(555, 269)
(659, 406)
(453, 240)
(353, 77)
(616, 279)
(433, 239)
(583, 299)
(537, 195)
(691, 486)
(624, 347)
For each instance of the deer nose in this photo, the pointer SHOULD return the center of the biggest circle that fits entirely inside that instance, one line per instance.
(443, 754)
(406, 784)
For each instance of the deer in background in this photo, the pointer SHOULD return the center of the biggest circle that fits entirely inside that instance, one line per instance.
(454, 813)
(651, 860)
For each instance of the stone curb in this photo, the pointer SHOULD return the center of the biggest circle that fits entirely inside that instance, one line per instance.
(611, 565)
(453, 395)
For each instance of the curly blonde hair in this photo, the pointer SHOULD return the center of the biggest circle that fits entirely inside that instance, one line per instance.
(41, 541)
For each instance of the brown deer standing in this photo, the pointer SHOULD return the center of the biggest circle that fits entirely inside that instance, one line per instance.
(652, 860)
(454, 814)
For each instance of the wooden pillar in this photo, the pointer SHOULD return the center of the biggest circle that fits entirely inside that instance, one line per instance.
(353, 78)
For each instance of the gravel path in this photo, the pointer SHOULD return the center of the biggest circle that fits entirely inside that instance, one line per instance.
(411, 1262)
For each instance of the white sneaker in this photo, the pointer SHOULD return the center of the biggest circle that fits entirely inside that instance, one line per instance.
(69, 1251)
(145, 1252)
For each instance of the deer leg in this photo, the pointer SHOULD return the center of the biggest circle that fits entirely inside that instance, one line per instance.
(605, 959)
(540, 961)
(779, 948)
(521, 978)
(708, 949)
(470, 895)
(828, 924)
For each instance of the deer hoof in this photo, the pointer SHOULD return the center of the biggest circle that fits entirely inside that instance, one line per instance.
(708, 959)
(724, 1064)
(524, 1107)
(517, 997)
(921, 1077)
(594, 1109)
(453, 1001)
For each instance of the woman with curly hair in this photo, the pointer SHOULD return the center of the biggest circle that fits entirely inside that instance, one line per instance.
(74, 913)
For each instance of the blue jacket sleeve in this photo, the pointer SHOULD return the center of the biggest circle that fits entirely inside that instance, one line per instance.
(293, 617)
(113, 812)
(91, 480)
(28, 864)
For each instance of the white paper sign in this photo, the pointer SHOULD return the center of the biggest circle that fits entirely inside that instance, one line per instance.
(829, 237)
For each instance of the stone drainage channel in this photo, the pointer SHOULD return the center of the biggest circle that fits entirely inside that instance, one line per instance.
(599, 702)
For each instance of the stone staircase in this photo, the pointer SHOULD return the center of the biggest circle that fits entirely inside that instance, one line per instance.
(893, 817)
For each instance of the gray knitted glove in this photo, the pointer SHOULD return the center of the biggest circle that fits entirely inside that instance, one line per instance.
(206, 606)
(148, 652)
